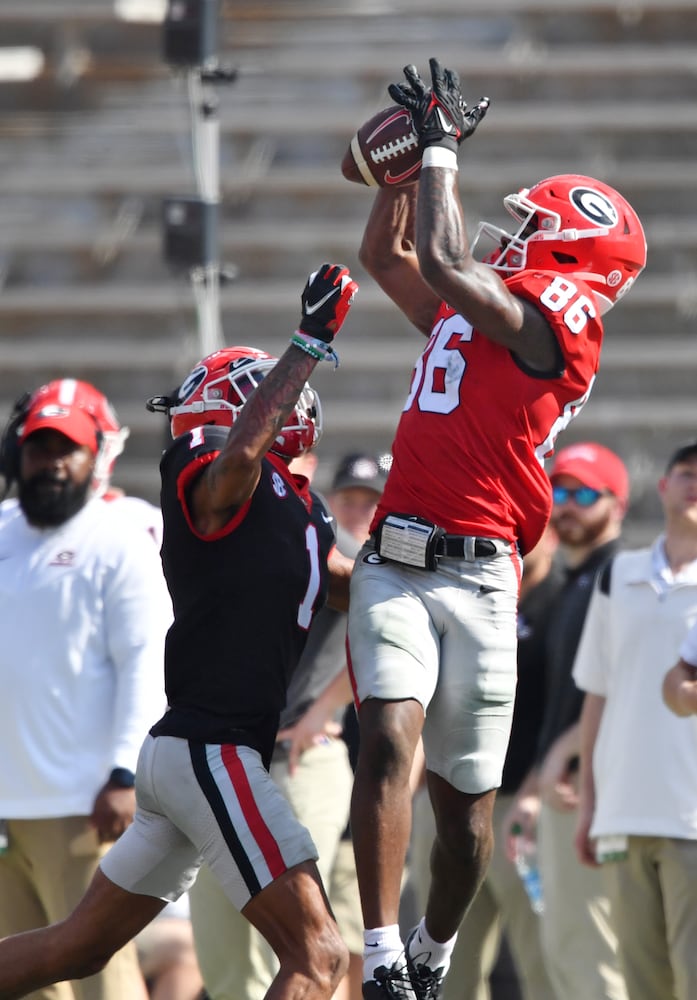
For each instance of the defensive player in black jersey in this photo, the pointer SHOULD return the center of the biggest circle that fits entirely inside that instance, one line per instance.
(248, 553)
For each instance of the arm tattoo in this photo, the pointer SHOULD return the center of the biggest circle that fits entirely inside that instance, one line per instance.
(267, 410)
(279, 393)
(440, 211)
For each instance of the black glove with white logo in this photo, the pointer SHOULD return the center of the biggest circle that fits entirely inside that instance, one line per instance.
(326, 300)
(440, 115)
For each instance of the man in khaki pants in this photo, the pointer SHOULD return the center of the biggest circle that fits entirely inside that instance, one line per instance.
(590, 494)
(637, 819)
(83, 614)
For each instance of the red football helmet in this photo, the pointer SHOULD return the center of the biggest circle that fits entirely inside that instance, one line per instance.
(71, 392)
(572, 224)
(217, 388)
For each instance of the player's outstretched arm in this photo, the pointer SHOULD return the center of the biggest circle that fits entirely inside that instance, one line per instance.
(388, 254)
(388, 250)
(444, 120)
(232, 478)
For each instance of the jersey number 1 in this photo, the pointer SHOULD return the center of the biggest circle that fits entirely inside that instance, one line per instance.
(306, 605)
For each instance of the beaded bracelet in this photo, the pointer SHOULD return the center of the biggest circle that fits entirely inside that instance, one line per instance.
(317, 349)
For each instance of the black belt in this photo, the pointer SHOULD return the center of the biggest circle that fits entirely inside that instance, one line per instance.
(468, 547)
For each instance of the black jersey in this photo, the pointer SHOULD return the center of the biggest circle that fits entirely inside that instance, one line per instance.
(567, 614)
(243, 598)
(533, 624)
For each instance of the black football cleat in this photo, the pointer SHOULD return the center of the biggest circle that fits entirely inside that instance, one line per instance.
(427, 983)
(389, 984)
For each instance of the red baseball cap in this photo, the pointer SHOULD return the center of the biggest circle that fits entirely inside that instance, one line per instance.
(594, 466)
(73, 421)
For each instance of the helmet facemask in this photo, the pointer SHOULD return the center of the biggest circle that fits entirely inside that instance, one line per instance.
(303, 429)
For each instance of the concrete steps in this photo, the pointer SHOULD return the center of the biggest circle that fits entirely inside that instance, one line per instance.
(89, 149)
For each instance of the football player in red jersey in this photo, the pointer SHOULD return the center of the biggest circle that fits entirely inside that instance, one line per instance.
(512, 351)
(249, 555)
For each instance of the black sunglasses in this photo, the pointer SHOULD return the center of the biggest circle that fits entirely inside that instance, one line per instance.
(584, 496)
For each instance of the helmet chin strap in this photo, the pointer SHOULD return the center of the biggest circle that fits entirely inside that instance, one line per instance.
(202, 406)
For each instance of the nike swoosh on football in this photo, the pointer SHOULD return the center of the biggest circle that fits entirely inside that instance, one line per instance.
(313, 309)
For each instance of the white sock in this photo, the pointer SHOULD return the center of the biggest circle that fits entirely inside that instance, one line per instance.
(381, 946)
(425, 951)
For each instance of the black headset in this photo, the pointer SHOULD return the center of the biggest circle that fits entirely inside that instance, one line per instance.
(9, 443)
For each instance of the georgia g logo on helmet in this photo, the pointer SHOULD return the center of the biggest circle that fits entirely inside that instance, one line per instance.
(192, 382)
(594, 206)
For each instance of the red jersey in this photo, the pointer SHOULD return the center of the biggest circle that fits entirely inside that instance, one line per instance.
(477, 425)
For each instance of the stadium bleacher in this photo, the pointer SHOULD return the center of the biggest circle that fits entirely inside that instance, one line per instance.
(92, 143)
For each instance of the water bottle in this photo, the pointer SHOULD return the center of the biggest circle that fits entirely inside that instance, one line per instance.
(526, 866)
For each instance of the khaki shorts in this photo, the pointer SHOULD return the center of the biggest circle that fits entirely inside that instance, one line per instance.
(446, 638)
(345, 899)
(206, 802)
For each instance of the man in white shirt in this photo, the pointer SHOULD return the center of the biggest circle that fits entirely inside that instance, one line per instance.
(83, 615)
(638, 798)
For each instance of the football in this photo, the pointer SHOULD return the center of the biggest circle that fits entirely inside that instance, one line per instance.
(385, 151)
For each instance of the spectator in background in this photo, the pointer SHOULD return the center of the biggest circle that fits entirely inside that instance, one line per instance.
(590, 488)
(637, 816)
(113, 437)
(353, 497)
(166, 947)
(355, 490)
(83, 614)
(502, 905)
(310, 765)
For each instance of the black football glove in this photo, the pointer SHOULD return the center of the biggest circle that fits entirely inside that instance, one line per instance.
(326, 300)
(440, 115)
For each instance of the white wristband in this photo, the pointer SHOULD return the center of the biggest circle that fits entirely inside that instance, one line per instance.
(438, 156)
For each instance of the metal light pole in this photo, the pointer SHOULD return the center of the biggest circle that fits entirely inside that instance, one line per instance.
(192, 224)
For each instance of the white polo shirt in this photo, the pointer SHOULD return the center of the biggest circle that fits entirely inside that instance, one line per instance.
(84, 610)
(645, 759)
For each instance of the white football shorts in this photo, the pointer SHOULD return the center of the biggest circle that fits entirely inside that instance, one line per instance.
(205, 802)
(446, 638)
